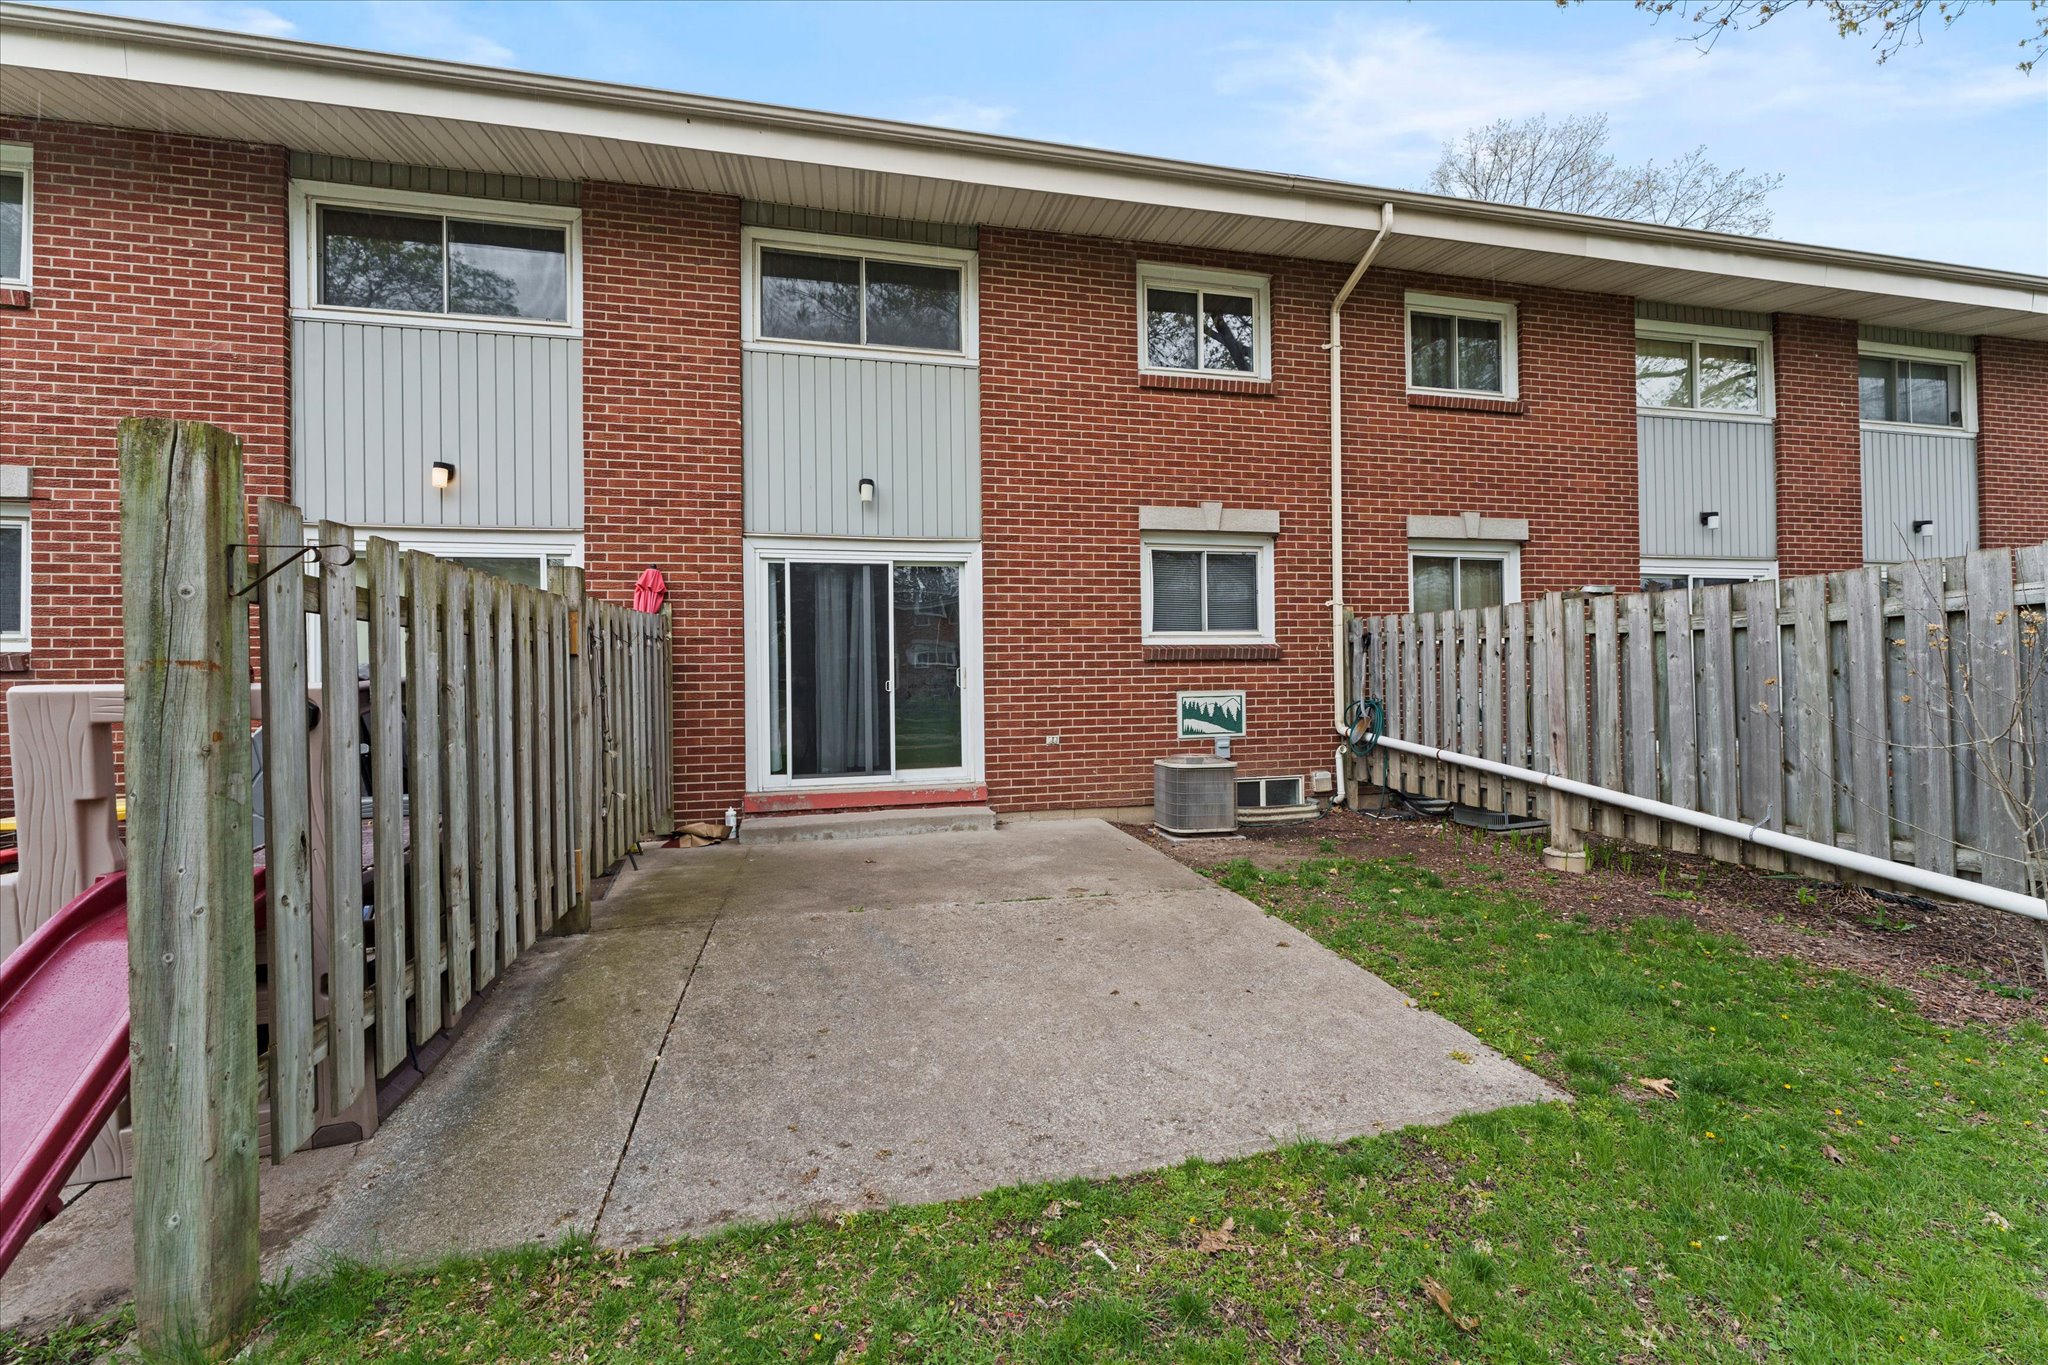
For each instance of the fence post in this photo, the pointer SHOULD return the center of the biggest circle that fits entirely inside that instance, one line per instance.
(191, 917)
(1567, 850)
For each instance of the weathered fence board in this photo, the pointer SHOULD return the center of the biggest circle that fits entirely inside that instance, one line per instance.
(1869, 712)
(423, 787)
(1992, 717)
(387, 792)
(1641, 672)
(1606, 701)
(456, 787)
(287, 826)
(341, 733)
(1926, 638)
(488, 813)
(1808, 707)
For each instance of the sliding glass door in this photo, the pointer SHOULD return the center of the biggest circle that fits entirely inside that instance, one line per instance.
(864, 668)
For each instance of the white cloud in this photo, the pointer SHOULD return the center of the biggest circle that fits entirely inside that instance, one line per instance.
(1376, 99)
(948, 111)
(427, 29)
(203, 14)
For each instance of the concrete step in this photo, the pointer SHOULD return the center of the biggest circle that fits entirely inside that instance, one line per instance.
(864, 824)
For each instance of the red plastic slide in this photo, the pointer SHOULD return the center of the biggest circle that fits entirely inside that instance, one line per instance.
(63, 1052)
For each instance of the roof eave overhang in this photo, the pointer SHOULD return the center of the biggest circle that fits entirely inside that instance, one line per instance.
(101, 69)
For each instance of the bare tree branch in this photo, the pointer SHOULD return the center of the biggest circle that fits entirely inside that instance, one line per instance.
(1891, 25)
(1566, 165)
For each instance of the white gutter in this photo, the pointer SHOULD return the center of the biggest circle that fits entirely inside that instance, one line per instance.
(1904, 874)
(1339, 646)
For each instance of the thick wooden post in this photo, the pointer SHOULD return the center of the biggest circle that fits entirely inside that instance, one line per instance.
(191, 918)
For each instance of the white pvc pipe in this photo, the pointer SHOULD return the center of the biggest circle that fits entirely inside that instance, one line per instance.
(1340, 646)
(1905, 874)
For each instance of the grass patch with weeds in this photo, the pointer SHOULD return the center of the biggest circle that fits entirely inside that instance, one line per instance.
(1834, 1178)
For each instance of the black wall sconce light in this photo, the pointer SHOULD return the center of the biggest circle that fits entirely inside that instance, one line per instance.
(1710, 521)
(443, 474)
(867, 490)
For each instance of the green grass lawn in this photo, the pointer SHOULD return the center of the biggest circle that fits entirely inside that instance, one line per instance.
(1837, 1179)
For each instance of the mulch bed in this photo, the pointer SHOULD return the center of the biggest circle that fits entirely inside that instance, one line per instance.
(1961, 964)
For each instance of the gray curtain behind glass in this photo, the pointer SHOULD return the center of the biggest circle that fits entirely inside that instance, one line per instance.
(839, 638)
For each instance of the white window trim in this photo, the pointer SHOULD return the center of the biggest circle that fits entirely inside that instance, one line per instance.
(1750, 569)
(19, 157)
(307, 196)
(1766, 384)
(1157, 274)
(1493, 310)
(754, 240)
(1194, 541)
(1966, 360)
(16, 514)
(760, 698)
(1508, 552)
(447, 541)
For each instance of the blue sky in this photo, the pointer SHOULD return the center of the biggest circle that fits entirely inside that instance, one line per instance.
(1941, 153)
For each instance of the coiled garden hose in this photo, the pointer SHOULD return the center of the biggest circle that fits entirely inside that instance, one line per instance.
(1364, 722)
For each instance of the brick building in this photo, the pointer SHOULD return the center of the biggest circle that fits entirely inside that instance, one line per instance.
(963, 456)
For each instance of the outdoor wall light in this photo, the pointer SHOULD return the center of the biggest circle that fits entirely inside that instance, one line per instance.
(1710, 520)
(1924, 529)
(867, 490)
(444, 474)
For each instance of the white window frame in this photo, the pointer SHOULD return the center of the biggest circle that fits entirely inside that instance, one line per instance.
(20, 159)
(455, 542)
(309, 196)
(1508, 552)
(753, 241)
(1766, 384)
(1485, 310)
(1193, 541)
(1748, 570)
(1159, 275)
(1965, 360)
(16, 514)
(761, 701)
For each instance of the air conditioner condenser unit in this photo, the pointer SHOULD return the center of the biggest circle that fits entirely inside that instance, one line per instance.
(1194, 794)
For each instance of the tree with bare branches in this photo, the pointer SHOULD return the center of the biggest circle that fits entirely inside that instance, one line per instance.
(1566, 165)
(1891, 25)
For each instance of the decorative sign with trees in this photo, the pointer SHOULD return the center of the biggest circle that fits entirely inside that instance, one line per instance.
(1212, 715)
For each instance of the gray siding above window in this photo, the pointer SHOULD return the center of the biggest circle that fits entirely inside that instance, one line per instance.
(1911, 476)
(1900, 336)
(1689, 465)
(374, 405)
(391, 175)
(964, 236)
(816, 425)
(1649, 310)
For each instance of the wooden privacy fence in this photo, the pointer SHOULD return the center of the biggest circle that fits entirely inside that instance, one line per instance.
(425, 820)
(1895, 712)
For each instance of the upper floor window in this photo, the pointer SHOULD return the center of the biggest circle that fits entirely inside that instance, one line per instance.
(17, 164)
(1465, 346)
(1710, 370)
(1916, 387)
(1208, 589)
(831, 292)
(464, 259)
(1210, 322)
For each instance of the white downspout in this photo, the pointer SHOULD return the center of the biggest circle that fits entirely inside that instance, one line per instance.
(1339, 645)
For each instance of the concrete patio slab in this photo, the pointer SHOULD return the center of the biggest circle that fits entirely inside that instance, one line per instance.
(925, 1019)
(752, 1032)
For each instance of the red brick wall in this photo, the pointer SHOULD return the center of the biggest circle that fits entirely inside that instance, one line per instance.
(1820, 446)
(1073, 445)
(2012, 445)
(661, 473)
(1566, 460)
(159, 270)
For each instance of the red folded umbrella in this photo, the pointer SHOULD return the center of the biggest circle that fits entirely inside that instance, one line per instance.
(650, 590)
